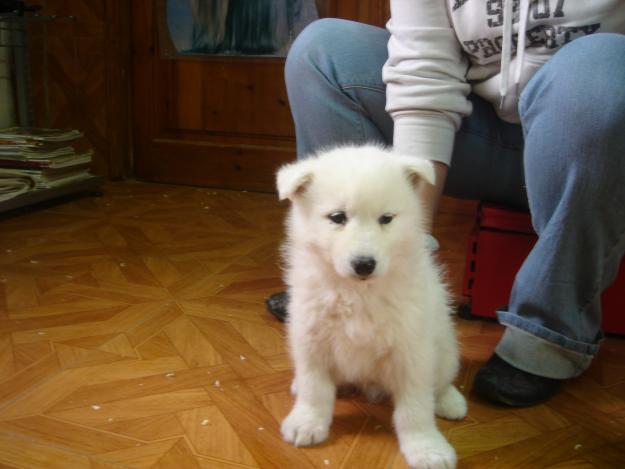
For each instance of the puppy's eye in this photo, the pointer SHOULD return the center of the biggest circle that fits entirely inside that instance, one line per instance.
(340, 218)
(386, 219)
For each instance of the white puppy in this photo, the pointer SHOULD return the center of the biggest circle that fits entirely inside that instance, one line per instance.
(367, 304)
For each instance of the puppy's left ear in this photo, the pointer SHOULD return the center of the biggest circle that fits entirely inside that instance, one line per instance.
(418, 170)
(294, 178)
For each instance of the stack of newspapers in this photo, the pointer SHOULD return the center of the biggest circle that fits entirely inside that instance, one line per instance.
(34, 159)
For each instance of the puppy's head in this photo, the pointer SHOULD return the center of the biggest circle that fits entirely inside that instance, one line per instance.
(356, 208)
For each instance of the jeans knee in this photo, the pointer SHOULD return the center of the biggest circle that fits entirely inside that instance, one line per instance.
(610, 46)
(584, 79)
(331, 49)
(580, 93)
(312, 47)
(587, 57)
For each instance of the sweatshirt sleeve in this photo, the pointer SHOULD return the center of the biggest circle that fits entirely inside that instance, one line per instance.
(425, 78)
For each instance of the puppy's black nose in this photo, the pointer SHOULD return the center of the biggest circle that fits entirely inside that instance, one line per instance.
(363, 266)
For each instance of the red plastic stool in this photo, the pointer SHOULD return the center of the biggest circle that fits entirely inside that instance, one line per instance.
(498, 245)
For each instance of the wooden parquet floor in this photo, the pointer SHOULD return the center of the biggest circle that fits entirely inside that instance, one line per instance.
(133, 334)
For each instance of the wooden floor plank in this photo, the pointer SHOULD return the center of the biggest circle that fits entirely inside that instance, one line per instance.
(22, 453)
(152, 428)
(256, 427)
(29, 377)
(210, 434)
(63, 434)
(191, 344)
(542, 450)
(231, 345)
(142, 456)
(98, 413)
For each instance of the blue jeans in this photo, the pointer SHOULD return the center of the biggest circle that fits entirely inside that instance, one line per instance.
(565, 162)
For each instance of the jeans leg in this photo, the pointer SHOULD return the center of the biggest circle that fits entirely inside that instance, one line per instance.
(573, 116)
(334, 81)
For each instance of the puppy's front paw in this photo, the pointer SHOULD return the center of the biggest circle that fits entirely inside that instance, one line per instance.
(429, 452)
(305, 428)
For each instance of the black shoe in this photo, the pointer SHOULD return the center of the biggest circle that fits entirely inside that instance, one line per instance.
(501, 383)
(277, 304)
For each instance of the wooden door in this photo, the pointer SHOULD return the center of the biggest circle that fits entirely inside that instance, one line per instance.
(215, 121)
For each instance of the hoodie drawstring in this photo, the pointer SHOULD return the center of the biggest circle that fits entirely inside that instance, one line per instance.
(506, 47)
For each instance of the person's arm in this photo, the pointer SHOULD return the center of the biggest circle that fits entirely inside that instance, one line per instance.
(426, 87)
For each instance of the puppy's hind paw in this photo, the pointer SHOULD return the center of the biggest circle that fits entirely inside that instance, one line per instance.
(426, 453)
(431, 461)
(375, 394)
(302, 428)
(450, 404)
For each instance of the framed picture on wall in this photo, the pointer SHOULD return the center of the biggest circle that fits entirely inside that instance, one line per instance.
(233, 27)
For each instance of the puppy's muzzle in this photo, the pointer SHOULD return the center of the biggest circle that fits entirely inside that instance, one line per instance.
(363, 266)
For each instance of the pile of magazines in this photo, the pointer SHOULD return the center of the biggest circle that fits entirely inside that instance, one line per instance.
(35, 159)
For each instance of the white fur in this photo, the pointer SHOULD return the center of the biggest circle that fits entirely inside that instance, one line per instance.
(389, 331)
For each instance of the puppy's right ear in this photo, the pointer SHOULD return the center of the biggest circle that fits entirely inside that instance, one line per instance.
(294, 178)
(418, 170)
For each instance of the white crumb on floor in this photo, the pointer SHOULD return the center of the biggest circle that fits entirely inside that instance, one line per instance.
(96, 407)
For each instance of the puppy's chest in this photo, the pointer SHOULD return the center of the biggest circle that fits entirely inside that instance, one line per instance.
(361, 336)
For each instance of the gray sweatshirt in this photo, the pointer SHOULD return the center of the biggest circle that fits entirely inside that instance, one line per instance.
(440, 50)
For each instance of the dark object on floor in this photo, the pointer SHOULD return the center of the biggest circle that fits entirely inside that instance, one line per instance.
(501, 383)
(277, 304)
